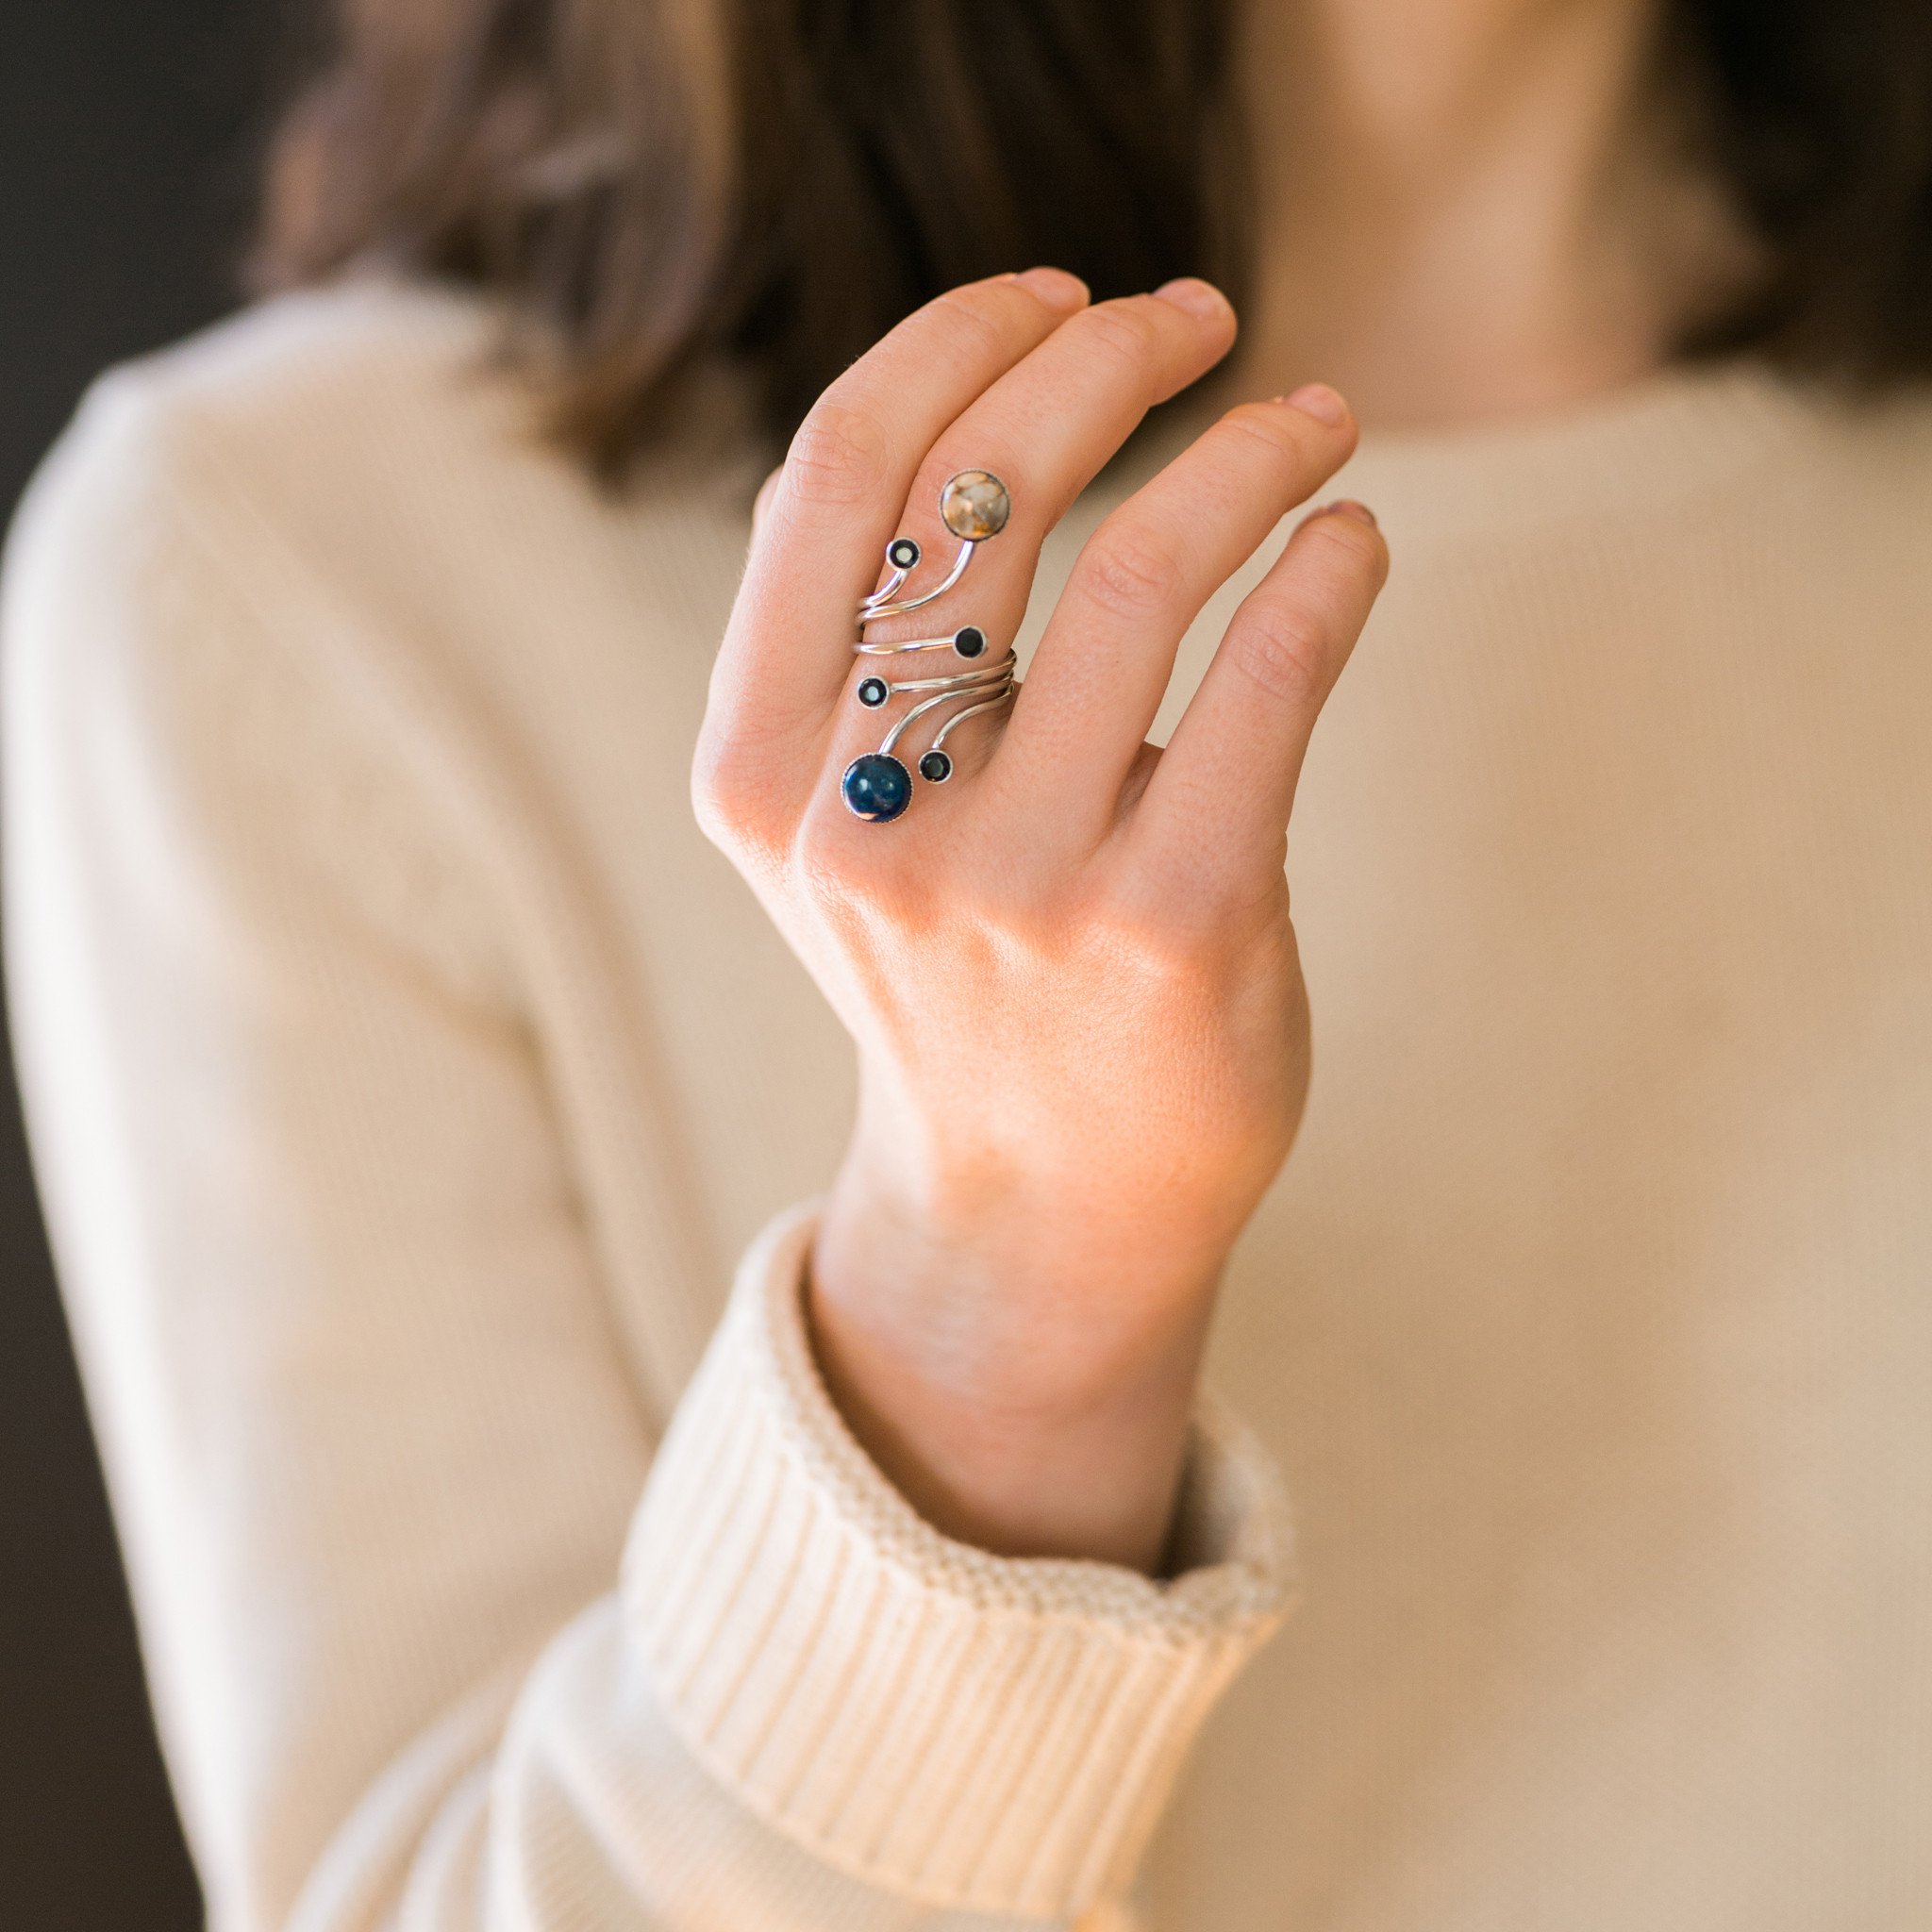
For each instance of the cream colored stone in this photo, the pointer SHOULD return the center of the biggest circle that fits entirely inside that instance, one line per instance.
(975, 506)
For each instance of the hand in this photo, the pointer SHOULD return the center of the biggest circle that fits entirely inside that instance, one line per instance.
(1069, 971)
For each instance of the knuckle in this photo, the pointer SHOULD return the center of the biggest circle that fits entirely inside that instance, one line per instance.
(1259, 424)
(1157, 945)
(1282, 650)
(713, 792)
(1130, 575)
(871, 901)
(973, 321)
(819, 859)
(840, 455)
(1160, 940)
(1350, 545)
(1118, 329)
(731, 795)
(720, 810)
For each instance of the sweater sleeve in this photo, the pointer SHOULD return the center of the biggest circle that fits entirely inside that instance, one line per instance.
(440, 1634)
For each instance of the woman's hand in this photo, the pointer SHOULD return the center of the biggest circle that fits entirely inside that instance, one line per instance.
(1069, 971)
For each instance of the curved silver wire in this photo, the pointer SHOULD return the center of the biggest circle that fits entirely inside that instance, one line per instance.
(945, 731)
(881, 603)
(954, 681)
(998, 690)
(950, 642)
(975, 506)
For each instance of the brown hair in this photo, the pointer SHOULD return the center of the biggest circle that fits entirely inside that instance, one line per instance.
(676, 185)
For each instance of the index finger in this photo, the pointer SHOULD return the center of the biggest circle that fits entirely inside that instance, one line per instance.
(847, 474)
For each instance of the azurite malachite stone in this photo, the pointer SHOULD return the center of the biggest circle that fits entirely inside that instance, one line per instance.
(876, 787)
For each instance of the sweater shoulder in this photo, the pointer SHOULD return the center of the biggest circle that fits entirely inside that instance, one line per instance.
(1886, 440)
(194, 461)
(178, 601)
(375, 427)
(331, 391)
(212, 433)
(334, 352)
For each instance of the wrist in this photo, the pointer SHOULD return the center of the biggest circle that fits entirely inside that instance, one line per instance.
(1022, 1364)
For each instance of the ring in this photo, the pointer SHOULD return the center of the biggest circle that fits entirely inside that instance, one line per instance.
(975, 506)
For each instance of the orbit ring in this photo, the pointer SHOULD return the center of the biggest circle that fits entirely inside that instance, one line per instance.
(877, 786)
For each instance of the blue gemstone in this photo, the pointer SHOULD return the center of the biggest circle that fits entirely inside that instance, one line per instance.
(873, 691)
(969, 642)
(876, 787)
(936, 767)
(903, 553)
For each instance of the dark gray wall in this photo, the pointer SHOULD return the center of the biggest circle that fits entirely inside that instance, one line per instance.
(127, 132)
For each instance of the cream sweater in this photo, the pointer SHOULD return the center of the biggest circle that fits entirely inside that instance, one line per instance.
(404, 1074)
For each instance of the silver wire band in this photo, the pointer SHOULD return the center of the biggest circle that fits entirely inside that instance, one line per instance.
(880, 604)
(957, 680)
(945, 731)
(992, 690)
(949, 642)
(975, 507)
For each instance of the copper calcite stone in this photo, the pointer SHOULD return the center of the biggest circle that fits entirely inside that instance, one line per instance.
(976, 506)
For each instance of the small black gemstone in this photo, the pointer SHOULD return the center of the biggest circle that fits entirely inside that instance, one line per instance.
(936, 767)
(903, 553)
(969, 642)
(876, 787)
(873, 691)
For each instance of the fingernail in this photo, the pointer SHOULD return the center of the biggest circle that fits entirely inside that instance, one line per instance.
(1054, 287)
(1318, 400)
(1196, 296)
(1348, 507)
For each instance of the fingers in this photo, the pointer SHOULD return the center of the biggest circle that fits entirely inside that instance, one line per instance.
(846, 477)
(1046, 428)
(1103, 666)
(1214, 816)
(1049, 426)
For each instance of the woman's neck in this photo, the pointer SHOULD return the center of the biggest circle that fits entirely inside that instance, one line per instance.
(1469, 208)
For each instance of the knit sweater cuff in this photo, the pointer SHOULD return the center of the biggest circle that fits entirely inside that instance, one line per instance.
(971, 1731)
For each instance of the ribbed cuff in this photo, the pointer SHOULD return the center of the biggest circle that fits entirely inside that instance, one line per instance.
(972, 1731)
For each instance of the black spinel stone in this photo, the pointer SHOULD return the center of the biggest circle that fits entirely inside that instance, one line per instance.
(969, 642)
(876, 787)
(902, 554)
(873, 692)
(936, 767)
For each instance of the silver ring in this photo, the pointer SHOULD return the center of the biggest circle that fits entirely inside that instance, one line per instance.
(975, 507)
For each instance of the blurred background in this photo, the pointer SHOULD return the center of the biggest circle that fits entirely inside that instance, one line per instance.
(128, 131)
